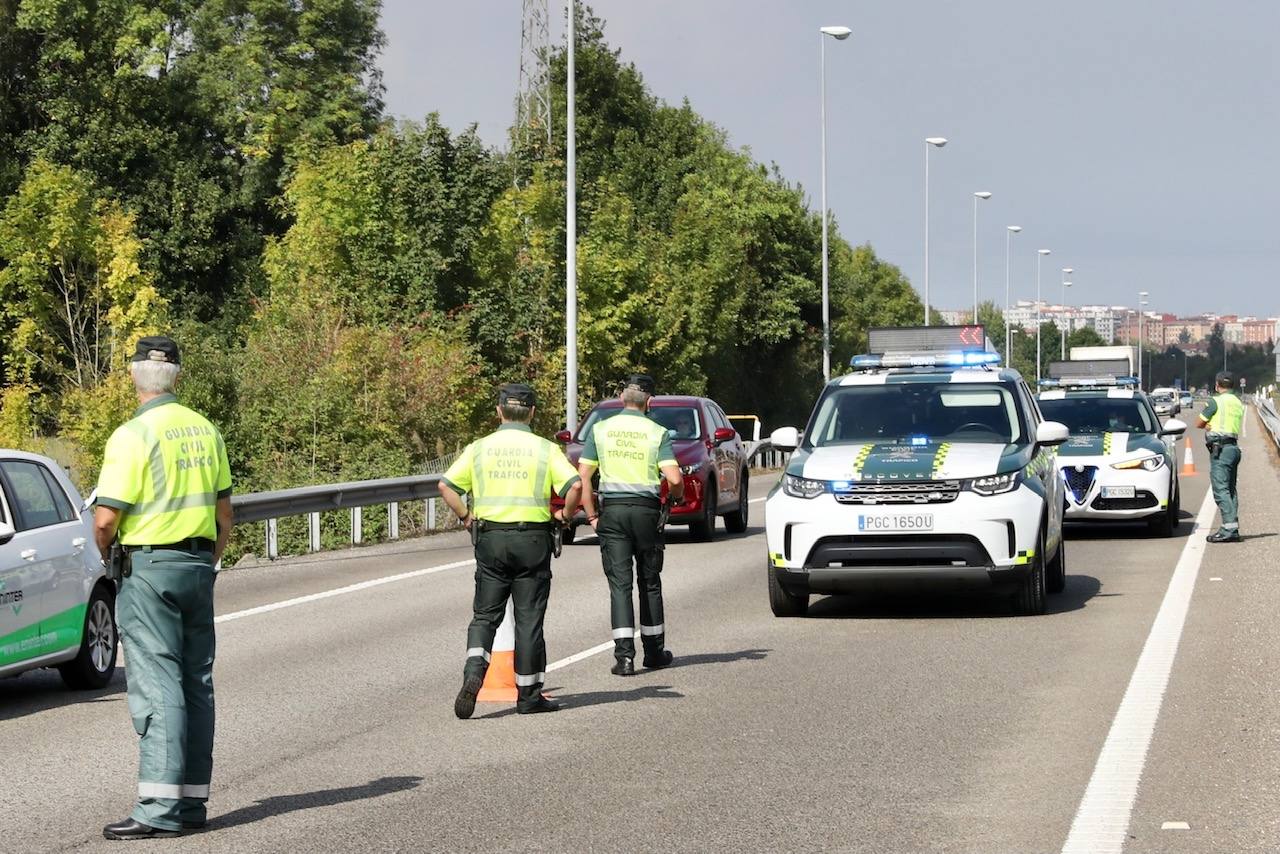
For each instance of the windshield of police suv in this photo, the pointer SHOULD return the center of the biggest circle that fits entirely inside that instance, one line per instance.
(916, 413)
(682, 421)
(1094, 415)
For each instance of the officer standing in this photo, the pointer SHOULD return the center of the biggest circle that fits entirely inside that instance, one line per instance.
(634, 455)
(1223, 418)
(510, 474)
(165, 492)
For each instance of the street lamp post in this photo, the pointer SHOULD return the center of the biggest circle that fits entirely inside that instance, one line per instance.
(571, 236)
(1009, 232)
(839, 34)
(1062, 329)
(976, 196)
(1039, 257)
(1141, 302)
(930, 142)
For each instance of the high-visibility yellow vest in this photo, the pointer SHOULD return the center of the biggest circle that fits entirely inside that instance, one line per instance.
(630, 448)
(164, 470)
(510, 474)
(1228, 417)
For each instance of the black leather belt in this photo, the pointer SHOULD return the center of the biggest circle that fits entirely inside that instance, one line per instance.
(486, 525)
(191, 544)
(630, 501)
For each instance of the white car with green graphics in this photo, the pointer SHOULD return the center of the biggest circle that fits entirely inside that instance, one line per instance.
(928, 467)
(1120, 464)
(57, 608)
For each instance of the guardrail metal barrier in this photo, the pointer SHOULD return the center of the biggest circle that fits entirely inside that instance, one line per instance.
(1270, 418)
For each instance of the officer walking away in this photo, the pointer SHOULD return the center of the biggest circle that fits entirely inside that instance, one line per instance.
(1223, 418)
(634, 455)
(510, 475)
(165, 492)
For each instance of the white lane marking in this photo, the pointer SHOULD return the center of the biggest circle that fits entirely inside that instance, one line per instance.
(1175, 825)
(1102, 821)
(1214, 578)
(340, 591)
(579, 656)
(758, 500)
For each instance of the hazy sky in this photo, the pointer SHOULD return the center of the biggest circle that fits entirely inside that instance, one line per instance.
(1135, 139)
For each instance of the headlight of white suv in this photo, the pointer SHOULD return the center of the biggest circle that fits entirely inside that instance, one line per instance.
(802, 487)
(1152, 463)
(997, 483)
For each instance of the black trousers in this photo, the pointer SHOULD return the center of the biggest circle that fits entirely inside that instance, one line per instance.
(632, 548)
(516, 564)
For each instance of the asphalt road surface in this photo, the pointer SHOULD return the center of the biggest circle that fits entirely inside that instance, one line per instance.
(936, 724)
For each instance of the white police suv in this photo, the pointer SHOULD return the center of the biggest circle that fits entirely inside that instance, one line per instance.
(928, 466)
(57, 609)
(1120, 463)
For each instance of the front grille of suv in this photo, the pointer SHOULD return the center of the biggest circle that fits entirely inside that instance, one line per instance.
(1079, 481)
(1142, 500)
(915, 492)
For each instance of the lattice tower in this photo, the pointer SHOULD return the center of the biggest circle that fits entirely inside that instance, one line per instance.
(533, 101)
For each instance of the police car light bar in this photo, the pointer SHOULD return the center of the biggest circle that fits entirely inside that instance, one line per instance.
(1090, 372)
(1089, 382)
(927, 346)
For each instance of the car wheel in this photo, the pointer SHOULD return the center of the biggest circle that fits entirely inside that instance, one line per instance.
(1029, 600)
(736, 522)
(705, 528)
(782, 602)
(567, 533)
(1056, 575)
(1165, 524)
(95, 664)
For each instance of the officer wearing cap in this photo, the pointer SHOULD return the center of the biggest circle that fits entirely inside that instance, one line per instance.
(1222, 419)
(165, 492)
(510, 475)
(634, 456)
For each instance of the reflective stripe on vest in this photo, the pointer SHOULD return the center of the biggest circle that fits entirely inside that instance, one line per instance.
(1228, 418)
(627, 448)
(509, 477)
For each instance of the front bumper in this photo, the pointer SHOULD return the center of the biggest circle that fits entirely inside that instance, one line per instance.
(1151, 493)
(816, 545)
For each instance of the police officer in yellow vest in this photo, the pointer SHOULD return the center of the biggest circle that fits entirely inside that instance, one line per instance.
(634, 455)
(1223, 418)
(510, 475)
(165, 492)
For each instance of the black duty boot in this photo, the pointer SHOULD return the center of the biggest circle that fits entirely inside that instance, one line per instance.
(131, 829)
(536, 706)
(657, 660)
(465, 705)
(623, 667)
(1224, 537)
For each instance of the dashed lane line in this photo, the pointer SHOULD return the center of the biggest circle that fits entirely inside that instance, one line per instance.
(1102, 821)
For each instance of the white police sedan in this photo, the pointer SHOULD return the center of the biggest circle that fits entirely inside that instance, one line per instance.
(57, 608)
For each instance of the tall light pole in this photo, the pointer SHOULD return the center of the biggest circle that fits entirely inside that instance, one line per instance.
(1066, 271)
(930, 142)
(1009, 232)
(571, 236)
(1141, 302)
(839, 34)
(976, 196)
(1040, 253)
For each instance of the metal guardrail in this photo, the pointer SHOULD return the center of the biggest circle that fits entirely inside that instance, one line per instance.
(764, 455)
(1270, 418)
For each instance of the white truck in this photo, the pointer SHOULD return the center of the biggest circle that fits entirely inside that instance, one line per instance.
(1110, 351)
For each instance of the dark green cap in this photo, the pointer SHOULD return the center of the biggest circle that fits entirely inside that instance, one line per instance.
(1226, 378)
(641, 382)
(516, 394)
(157, 348)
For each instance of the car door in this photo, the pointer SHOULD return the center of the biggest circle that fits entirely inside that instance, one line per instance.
(724, 456)
(48, 547)
(20, 594)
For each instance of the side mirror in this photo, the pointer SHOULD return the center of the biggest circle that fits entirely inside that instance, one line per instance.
(723, 434)
(89, 502)
(564, 437)
(1173, 427)
(1051, 433)
(785, 438)
(6, 532)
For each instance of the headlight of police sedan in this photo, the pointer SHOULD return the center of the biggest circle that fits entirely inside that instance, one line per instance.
(996, 483)
(802, 487)
(1149, 463)
(693, 469)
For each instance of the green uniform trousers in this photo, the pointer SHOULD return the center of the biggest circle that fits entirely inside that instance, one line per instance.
(632, 548)
(517, 564)
(1224, 466)
(165, 612)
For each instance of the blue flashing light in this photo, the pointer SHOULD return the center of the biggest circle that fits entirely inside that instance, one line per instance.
(1088, 382)
(956, 359)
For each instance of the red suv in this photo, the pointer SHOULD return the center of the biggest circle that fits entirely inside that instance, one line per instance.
(710, 453)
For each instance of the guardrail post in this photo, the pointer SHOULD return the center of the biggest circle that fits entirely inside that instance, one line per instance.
(356, 525)
(313, 531)
(272, 547)
(393, 521)
(431, 514)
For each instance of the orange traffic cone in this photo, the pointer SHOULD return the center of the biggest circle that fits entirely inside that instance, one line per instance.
(1188, 461)
(500, 679)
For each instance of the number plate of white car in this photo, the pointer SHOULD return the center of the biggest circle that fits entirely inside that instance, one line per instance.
(1118, 492)
(896, 522)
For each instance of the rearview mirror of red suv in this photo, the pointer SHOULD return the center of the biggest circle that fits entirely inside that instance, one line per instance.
(723, 434)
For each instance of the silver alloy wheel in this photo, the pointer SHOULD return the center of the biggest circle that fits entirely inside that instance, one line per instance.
(102, 635)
